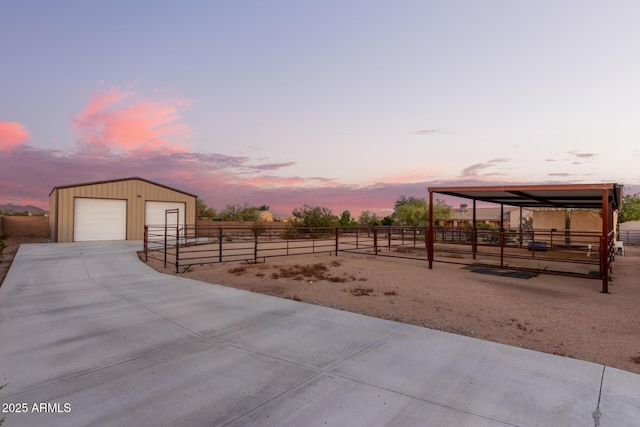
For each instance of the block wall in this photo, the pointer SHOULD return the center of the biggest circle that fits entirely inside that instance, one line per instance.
(25, 226)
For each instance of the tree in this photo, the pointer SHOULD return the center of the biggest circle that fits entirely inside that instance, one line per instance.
(414, 211)
(239, 213)
(317, 216)
(411, 211)
(630, 210)
(387, 220)
(369, 218)
(204, 211)
(441, 211)
(346, 220)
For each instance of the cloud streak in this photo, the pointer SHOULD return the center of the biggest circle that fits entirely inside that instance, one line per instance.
(582, 156)
(430, 131)
(479, 169)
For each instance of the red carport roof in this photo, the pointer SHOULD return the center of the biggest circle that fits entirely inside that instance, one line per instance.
(540, 196)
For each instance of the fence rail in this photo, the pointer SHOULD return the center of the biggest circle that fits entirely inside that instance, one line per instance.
(629, 237)
(185, 246)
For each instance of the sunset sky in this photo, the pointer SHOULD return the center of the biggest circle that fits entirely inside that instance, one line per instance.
(343, 104)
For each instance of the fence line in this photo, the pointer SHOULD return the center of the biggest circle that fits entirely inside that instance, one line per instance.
(185, 246)
(629, 237)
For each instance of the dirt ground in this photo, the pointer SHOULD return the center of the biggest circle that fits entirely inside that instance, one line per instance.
(561, 315)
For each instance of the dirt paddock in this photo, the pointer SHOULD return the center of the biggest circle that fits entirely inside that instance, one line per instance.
(562, 315)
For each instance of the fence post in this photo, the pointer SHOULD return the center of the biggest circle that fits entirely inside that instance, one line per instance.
(389, 238)
(375, 241)
(336, 241)
(426, 241)
(255, 244)
(165, 243)
(533, 244)
(219, 244)
(146, 243)
(604, 264)
(178, 250)
(357, 234)
(501, 247)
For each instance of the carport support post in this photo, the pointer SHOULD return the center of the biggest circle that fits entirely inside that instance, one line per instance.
(604, 243)
(430, 236)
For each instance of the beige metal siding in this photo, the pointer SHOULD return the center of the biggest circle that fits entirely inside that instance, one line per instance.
(135, 191)
(53, 217)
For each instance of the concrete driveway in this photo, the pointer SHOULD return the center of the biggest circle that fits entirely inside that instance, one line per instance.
(89, 336)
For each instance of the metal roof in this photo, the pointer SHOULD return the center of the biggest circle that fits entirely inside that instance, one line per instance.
(109, 181)
(588, 196)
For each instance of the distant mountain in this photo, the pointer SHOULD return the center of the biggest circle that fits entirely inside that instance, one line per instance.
(29, 208)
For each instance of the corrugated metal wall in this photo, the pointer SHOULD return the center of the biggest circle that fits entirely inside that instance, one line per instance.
(53, 225)
(135, 191)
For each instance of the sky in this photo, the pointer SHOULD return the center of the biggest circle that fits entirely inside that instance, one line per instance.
(342, 104)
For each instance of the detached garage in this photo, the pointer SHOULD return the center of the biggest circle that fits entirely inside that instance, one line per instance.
(115, 210)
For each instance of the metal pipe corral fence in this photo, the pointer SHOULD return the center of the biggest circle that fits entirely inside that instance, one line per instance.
(187, 246)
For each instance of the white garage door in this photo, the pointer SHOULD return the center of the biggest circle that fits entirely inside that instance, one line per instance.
(99, 219)
(155, 213)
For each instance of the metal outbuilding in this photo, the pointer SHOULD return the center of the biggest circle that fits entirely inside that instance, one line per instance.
(115, 210)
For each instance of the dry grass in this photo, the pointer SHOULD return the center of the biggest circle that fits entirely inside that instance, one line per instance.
(237, 270)
(309, 272)
(361, 292)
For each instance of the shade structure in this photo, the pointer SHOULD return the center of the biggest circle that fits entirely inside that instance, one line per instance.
(607, 197)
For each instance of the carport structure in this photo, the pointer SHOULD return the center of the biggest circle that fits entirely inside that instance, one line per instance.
(606, 197)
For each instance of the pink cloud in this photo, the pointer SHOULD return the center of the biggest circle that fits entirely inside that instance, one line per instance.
(11, 184)
(275, 181)
(119, 119)
(122, 134)
(218, 179)
(12, 134)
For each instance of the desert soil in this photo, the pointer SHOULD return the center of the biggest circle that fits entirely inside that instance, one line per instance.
(567, 316)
